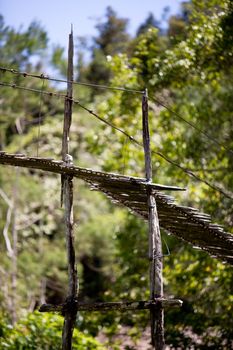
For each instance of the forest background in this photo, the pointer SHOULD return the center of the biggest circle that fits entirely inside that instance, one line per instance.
(187, 68)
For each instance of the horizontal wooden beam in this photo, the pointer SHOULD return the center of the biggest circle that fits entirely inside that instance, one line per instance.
(107, 306)
(56, 166)
(185, 223)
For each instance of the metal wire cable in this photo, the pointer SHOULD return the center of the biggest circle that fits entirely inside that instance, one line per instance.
(155, 100)
(46, 77)
(131, 138)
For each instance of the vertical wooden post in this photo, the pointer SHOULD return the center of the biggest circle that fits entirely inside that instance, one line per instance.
(15, 248)
(67, 192)
(155, 245)
(68, 100)
(146, 137)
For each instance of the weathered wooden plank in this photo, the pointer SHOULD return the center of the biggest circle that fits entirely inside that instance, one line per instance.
(59, 167)
(118, 306)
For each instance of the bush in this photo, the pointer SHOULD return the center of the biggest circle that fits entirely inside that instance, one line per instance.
(41, 332)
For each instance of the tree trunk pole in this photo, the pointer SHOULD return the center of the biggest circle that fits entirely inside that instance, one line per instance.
(67, 192)
(15, 248)
(155, 245)
(68, 101)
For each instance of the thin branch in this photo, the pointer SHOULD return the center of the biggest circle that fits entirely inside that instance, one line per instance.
(6, 198)
(24, 225)
(5, 232)
(8, 221)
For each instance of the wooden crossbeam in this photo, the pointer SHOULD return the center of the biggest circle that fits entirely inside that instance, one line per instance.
(57, 166)
(108, 306)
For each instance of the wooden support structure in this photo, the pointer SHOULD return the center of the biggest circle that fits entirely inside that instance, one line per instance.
(67, 196)
(117, 305)
(142, 197)
(155, 245)
(68, 101)
(138, 194)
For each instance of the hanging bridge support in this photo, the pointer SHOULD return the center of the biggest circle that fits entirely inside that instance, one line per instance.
(135, 193)
(155, 245)
(141, 196)
(70, 312)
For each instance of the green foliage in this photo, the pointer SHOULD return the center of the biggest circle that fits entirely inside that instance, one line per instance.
(42, 331)
(98, 71)
(177, 24)
(199, 281)
(58, 59)
(17, 48)
(193, 77)
(203, 52)
(112, 37)
(150, 22)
